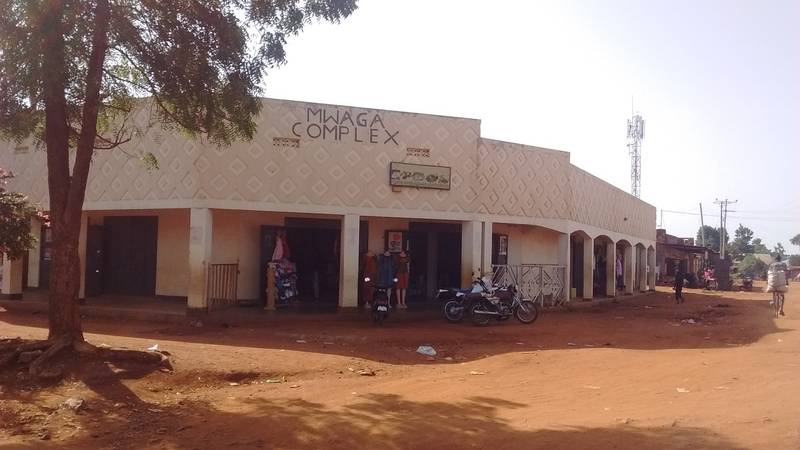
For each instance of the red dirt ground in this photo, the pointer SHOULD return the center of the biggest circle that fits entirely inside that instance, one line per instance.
(632, 374)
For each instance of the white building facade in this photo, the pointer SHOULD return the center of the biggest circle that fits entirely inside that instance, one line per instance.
(334, 183)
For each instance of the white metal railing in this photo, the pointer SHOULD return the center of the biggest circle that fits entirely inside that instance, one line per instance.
(544, 283)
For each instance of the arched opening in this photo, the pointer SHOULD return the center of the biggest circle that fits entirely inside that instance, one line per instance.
(603, 274)
(581, 265)
(625, 264)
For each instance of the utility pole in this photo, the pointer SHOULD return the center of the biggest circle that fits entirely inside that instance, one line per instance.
(723, 220)
(703, 236)
(702, 227)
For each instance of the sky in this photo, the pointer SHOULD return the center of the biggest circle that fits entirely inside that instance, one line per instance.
(717, 82)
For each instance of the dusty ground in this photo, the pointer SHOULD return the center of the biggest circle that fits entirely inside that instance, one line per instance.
(630, 375)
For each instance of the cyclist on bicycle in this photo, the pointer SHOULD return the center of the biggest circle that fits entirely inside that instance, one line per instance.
(777, 280)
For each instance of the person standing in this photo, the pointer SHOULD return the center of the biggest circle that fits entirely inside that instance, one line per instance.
(679, 277)
(620, 284)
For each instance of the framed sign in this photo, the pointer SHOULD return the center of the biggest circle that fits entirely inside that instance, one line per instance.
(395, 240)
(499, 249)
(419, 176)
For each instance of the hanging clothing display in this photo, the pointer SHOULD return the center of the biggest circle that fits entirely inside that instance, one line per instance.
(285, 280)
(403, 263)
(277, 255)
(387, 270)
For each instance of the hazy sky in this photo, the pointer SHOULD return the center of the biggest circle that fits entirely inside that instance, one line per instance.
(718, 83)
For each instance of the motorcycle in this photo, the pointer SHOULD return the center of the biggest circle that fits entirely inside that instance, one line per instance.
(502, 305)
(380, 302)
(449, 300)
(463, 299)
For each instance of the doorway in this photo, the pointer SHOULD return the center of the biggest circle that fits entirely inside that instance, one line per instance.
(435, 250)
(312, 251)
(123, 262)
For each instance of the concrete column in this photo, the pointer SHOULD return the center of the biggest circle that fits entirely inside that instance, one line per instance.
(630, 269)
(588, 268)
(12, 279)
(566, 261)
(200, 237)
(34, 254)
(470, 250)
(486, 249)
(611, 264)
(82, 254)
(348, 282)
(651, 273)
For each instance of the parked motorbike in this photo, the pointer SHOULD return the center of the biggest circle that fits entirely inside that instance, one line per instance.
(501, 305)
(449, 302)
(380, 302)
(462, 300)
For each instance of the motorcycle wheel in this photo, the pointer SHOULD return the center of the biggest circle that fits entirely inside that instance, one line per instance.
(453, 312)
(527, 311)
(477, 317)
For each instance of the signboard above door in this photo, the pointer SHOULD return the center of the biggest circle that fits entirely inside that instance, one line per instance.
(419, 176)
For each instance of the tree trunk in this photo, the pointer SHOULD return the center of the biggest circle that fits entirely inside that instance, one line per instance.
(67, 190)
(65, 283)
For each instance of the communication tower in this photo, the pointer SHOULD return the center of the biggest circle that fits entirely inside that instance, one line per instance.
(635, 136)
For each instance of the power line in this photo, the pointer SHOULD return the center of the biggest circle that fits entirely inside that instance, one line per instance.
(758, 219)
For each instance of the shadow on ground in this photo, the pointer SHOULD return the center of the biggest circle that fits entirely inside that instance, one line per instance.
(648, 322)
(370, 421)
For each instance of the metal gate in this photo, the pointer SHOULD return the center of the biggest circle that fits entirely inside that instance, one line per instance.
(222, 282)
(538, 282)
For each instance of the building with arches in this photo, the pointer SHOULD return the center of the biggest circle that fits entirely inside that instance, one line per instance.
(323, 187)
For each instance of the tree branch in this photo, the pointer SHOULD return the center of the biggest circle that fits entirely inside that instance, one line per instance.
(91, 105)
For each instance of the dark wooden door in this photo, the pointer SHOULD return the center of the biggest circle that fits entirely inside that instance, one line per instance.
(418, 270)
(130, 253)
(94, 260)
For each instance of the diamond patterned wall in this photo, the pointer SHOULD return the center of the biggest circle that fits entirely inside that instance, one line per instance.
(347, 165)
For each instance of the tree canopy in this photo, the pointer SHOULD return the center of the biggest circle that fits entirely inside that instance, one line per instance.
(795, 240)
(752, 267)
(741, 243)
(759, 247)
(71, 72)
(711, 237)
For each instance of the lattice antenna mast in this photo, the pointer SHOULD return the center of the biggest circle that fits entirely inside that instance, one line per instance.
(635, 136)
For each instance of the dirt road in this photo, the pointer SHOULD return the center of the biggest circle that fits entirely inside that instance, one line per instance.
(717, 372)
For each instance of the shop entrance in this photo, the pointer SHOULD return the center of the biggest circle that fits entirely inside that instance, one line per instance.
(307, 254)
(121, 256)
(435, 250)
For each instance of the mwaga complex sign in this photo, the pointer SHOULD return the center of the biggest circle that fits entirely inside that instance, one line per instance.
(338, 125)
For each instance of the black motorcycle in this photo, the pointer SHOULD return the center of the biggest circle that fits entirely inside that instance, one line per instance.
(449, 302)
(380, 302)
(501, 304)
(462, 300)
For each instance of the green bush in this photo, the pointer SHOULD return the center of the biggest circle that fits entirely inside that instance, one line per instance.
(752, 267)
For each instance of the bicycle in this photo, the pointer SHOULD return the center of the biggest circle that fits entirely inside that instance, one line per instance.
(777, 302)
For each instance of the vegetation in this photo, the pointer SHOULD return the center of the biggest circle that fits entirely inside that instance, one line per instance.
(16, 213)
(71, 71)
(752, 267)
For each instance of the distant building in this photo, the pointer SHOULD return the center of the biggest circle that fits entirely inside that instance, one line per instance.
(674, 252)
